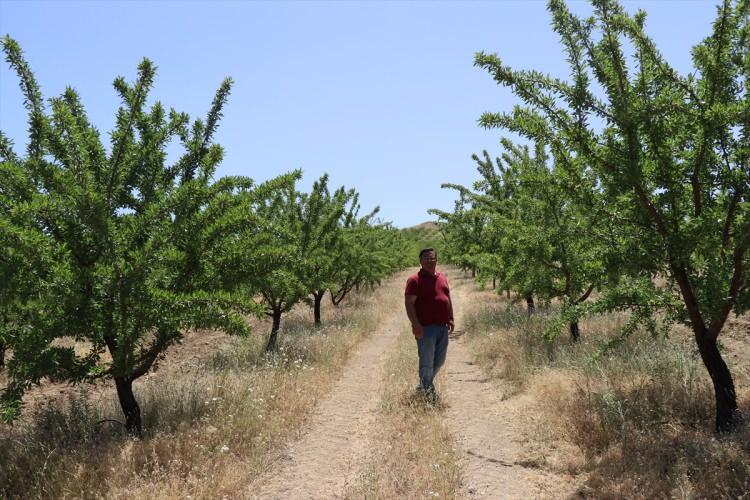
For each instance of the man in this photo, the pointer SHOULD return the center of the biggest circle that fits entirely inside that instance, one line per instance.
(429, 308)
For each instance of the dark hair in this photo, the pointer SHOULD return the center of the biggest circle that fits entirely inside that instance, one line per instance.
(426, 250)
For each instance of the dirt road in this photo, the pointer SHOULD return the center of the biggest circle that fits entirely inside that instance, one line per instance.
(491, 432)
(326, 460)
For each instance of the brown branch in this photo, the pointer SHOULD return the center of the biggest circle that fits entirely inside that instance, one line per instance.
(661, 226)
(568, 280)
(701, 157)
(735, 284)
(695, 182)
(730, 217)
(585, 294)
(688, 297)
(146, 360)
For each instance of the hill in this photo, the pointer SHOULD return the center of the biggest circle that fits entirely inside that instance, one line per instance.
(424, 235)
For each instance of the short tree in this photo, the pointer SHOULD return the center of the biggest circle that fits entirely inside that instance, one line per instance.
(320, 225)
(273, 245)
(551, 243)
(462, 232)
(366, 252)
(122, 283)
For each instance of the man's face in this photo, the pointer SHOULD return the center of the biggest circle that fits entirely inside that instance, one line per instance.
(428, 261)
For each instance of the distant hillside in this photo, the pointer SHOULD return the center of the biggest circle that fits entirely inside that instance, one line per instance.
(427, 230)
(429, 226)
(424, 235)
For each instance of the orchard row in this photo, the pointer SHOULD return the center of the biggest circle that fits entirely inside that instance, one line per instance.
(631, 190)
(122, 252)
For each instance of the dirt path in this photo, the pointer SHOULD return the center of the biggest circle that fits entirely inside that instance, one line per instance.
(330, 454)
(493, 432)
(498, 458)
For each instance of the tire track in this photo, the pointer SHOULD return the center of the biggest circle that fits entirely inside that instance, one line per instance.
(334, 449)
(499, 458)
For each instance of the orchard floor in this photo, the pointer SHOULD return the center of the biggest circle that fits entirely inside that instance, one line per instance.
(494, 432)
(501, 443)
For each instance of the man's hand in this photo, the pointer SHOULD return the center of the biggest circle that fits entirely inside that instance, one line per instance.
(451, 326)
(417, 330)
(411, 312)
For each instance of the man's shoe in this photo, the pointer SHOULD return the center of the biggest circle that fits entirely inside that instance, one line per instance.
(432, 397)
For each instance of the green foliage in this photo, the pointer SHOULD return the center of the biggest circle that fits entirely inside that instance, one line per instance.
(671, 156)
(104, 248)
(285, 246)
(113, 253)
(369, 252)
(463, 232)
(519, 225)
(662, 158)
(321, 220)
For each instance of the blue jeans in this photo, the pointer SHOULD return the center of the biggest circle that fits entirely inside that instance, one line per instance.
(432, 348)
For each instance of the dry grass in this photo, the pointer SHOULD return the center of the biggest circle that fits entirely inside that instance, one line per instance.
(214, 421)
(642, 415)
(414, 456)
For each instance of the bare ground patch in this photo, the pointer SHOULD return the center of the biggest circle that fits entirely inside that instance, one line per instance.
(414, 452)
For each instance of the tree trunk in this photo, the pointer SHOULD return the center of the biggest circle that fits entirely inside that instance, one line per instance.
(530, 304)
(129, 406)
(336, 301)
(316, 309)
(494, 285)
(271, 345)
(339, 297)
(473, 272)
(575, 333)
(2, 344)
(727, 414)
(507, 293)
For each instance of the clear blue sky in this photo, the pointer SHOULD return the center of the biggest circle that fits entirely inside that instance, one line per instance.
(381, 95)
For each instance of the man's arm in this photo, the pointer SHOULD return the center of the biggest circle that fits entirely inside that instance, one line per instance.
(411, 312)
(451, 323)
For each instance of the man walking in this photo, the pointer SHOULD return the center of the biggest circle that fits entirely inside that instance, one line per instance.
(429, 308)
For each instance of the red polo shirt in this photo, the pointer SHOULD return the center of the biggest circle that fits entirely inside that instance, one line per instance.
(433, 297)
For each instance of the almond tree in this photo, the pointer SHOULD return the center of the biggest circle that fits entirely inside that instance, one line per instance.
(536, 237)
(489, 260)
(550, 240)
(122, 274)
(368, 252)
(462, 231)
(319, 222)
(476, 233)
(669, 153)
(278, 256)
(352, 256)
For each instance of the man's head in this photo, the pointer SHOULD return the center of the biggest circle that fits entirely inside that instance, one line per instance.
(428, 259)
